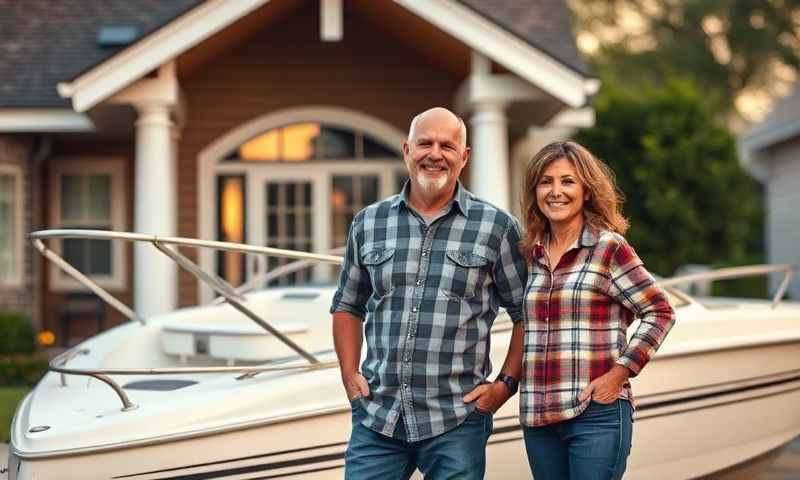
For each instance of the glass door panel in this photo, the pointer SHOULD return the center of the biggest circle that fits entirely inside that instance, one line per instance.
(349, 194)
(288, 211)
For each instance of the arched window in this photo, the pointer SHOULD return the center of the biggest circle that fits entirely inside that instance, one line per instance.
(294, 179)
(311, 141)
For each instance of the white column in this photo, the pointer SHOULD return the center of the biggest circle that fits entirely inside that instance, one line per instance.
(489, 160)
(155, 275)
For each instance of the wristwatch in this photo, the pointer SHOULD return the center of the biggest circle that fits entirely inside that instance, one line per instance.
(511, 383)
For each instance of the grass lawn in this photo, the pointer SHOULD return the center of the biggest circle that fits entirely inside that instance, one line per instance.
(9, 398)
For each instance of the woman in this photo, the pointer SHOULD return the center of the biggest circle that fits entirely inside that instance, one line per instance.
(585, 286)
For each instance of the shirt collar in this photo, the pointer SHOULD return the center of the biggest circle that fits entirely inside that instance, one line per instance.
(587, 238)
(460, 198)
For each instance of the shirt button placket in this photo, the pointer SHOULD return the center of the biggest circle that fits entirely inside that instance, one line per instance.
(406, 367)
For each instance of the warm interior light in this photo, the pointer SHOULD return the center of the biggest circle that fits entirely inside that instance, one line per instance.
(294, 143)
(338, 198)
(298, 141)
(263, 147)
(233, 226)
(233, 210)
(46, 338)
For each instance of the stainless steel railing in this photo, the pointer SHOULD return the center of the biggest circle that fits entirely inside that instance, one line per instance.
(168, 246)
(737, 272)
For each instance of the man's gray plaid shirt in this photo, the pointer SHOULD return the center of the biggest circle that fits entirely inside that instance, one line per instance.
(428, 295)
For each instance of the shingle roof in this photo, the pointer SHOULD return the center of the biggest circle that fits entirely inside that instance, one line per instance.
(43, 42)
(545, 24)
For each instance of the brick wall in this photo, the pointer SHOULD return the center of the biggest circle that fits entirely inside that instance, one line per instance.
(16, 150)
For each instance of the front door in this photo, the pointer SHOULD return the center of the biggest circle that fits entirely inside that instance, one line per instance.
(310, 208)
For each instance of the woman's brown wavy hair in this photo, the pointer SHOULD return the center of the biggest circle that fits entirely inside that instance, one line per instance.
(602, 211)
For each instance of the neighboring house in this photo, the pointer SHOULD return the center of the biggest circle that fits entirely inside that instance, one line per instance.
(266, 122)
(771, 152)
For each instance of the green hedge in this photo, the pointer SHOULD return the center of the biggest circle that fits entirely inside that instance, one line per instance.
(17, 335)
(22, 369)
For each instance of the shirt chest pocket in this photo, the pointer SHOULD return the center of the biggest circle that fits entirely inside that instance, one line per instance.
(378, 263)
(464, 274)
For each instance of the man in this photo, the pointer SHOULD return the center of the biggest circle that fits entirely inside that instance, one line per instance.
(424, 274)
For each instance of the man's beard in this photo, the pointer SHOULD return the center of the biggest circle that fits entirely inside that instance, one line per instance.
(431, 184)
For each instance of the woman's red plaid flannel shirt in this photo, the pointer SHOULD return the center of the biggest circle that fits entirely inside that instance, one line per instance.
(576, 320)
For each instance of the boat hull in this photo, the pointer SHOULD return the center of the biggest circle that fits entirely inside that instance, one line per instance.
(697, 413)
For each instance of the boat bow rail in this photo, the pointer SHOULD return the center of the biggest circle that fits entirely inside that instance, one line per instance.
(732, 273)
(168, 246)
(234, 296)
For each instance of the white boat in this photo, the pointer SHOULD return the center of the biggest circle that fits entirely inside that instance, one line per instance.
(248, 388)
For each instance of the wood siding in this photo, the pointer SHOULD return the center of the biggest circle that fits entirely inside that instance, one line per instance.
(286, 66)
(783, 214)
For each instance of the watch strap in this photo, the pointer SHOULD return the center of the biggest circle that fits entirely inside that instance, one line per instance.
(511, 383)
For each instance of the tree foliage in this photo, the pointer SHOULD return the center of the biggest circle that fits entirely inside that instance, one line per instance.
(688, 199)
(731, 47)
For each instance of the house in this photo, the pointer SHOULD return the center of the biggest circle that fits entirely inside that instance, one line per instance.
(262, 121)
(770, 150)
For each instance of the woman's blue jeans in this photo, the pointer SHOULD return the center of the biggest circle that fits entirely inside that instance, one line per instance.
(592, 446)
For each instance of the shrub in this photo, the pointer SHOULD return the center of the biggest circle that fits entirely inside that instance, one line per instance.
(16, 334)
(22, 369)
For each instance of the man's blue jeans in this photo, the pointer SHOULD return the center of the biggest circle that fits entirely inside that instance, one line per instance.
(457, 454)
(592, 446)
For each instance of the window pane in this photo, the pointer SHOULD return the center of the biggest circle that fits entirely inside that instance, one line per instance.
(265, 147)
(272, 194)
(230, 218)
(7, 190)
(336, 143)
(6, 268)
(291, 226)
(100, 197)
(72, 197)
(231, 213)
(300, 142)
(375, 149)
(342, 192)
(99, 255)
(7, 225)
(307, 194)
(74, 253)
(369, 190)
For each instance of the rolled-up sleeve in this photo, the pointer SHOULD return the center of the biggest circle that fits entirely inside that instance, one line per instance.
(511, 272)
(354, 287)
(634, 287)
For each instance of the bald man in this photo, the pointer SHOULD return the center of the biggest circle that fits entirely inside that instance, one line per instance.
(424, 274)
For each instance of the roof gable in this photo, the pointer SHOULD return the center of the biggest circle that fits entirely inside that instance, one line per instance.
(43, 43)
